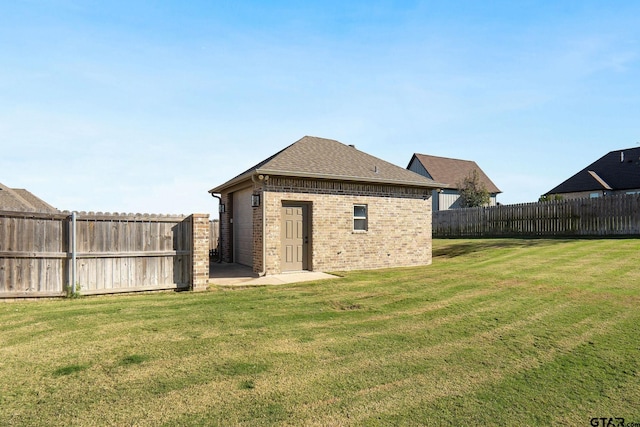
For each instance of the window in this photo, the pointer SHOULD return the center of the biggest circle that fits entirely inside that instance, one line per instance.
(594, 195)
(360, 217)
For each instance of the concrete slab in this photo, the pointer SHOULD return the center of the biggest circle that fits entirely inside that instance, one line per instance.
(224, 274)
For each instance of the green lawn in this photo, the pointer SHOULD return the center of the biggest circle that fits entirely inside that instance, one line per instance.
(506, 332)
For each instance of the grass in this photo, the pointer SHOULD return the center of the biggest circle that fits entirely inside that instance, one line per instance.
(498, 332)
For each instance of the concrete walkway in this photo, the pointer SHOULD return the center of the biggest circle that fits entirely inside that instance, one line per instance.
(225, 274)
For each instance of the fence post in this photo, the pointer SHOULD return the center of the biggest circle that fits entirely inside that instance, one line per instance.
(199, 252)
(74, 264)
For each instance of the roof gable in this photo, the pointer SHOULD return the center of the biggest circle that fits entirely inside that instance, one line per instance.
(616, 170)
(452, 171)
(320, 158)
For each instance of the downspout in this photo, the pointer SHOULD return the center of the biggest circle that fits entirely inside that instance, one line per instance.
(264, 226)
(219, 227)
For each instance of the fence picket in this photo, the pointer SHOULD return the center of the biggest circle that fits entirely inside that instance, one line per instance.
(115, 252)
(607, 216)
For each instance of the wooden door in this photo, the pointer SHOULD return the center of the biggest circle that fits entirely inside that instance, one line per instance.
(295, 238)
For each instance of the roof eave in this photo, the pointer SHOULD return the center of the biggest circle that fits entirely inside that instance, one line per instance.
(237, 180)
(403, 183)
(247, 176)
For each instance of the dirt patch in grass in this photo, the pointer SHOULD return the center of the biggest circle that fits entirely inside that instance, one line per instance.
(344, 306)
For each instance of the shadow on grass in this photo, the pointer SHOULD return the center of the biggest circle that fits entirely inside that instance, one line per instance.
(454, 248)
(69, 369)
(134, 359)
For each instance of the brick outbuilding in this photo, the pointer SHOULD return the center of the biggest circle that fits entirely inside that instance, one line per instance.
(321, 205)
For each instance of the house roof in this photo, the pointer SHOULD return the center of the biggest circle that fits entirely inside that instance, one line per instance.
(453, 171)
(616, 170)
(16, 199)
(320, 158)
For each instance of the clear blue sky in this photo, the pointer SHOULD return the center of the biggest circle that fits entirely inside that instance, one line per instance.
(143, 106)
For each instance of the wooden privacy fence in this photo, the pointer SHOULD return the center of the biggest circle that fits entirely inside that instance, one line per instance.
(604, 217)
(42, 255)
(214, 234)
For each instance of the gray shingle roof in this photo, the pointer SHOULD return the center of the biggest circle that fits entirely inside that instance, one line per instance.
(320, 158)
(15, 199)
(453, 171)
(617, 170)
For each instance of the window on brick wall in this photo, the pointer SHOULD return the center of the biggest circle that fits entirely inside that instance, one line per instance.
(360, 218)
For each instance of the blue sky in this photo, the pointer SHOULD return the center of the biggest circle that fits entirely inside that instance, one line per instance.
(140, 106)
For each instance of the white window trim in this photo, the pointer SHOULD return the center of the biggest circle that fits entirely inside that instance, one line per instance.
(360, 218)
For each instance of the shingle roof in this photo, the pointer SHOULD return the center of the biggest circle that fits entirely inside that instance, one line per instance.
(616, 170)
(453, 171)
(321, 158)
(15, 199)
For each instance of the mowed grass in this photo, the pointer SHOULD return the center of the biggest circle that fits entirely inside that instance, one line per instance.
(495, 332)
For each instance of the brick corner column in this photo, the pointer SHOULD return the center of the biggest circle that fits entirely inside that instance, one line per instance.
(200, 252)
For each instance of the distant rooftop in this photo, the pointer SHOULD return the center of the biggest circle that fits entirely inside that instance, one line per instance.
(17, 199)
(453, 171)
(616, 170)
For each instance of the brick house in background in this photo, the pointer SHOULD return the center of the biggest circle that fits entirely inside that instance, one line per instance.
(617, 172)
(450, 172)
(321, 205)
(16, 199)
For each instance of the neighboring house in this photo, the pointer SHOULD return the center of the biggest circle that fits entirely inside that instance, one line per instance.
(451, 172)
(321, 205)
(618, 172)
(14, 199)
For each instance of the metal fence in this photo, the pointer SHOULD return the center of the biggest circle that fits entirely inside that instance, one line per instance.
(612, 216)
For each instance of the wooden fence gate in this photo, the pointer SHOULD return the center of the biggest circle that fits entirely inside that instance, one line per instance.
(45, 254)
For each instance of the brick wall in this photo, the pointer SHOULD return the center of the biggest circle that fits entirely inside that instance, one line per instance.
(200, 252)
(399, 224)
(580, 195)
(257, 233)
